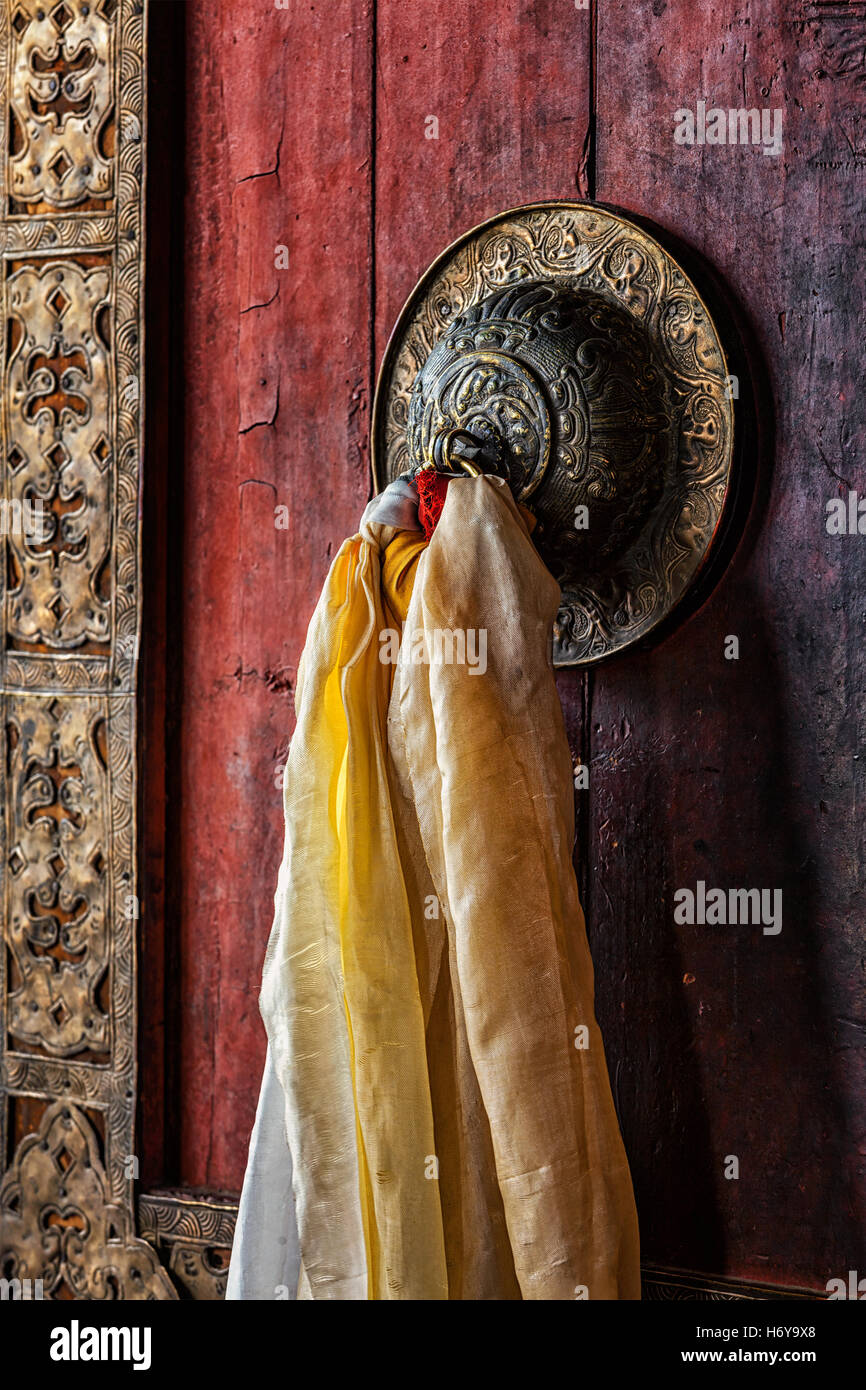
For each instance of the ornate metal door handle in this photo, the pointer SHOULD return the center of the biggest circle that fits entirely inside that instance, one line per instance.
(560, 347)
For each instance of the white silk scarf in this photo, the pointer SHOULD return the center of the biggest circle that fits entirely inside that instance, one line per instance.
(436, 1089)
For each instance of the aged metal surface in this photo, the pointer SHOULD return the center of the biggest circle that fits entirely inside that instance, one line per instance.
(577, 325)
(59, 379)
(193, 1235)
(62, 1223)
(660, 1285)
(71, 198)
(61, 91)
(57, 891)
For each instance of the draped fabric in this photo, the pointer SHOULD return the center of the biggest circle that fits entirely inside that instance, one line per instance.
(436, 1081)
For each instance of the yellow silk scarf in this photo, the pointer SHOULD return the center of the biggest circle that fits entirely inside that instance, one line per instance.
(427, 989)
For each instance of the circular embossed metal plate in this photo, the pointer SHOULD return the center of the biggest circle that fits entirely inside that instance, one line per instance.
(568, 335)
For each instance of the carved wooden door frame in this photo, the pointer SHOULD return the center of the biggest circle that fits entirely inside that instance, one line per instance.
(72, 170)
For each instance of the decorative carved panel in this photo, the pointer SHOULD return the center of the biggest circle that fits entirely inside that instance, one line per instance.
(61, 1223)
(660, 1285)
(72, 128)
(59, 399)
(193, 1234)
(62, 78)
(57, 896)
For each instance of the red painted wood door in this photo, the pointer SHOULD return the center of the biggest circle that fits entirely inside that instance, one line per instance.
(328, 153)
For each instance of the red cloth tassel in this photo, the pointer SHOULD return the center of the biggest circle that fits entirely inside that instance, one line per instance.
(432, 487)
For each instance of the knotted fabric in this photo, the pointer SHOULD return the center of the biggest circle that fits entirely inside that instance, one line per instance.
(436, 1120)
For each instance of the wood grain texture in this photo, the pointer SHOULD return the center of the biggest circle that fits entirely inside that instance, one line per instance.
(511, 97)
(510, 90)
(721, 1040)
(279, 365)
(277, 390)
(726, 1041)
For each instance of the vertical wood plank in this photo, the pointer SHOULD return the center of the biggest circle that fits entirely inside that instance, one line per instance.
(745, 773)
(477, 111)
(277, 391)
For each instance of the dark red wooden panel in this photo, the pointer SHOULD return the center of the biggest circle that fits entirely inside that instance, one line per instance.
(279, 364)
(744, 773)
(722, 1041)
(277, 376)
(510, 90)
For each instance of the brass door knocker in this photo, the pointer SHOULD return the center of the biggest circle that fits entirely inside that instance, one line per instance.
(561, 347)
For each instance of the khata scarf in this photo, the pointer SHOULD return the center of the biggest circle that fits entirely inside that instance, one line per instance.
(436, 1109)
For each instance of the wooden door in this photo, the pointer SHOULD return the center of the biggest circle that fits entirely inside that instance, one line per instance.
(309, 161)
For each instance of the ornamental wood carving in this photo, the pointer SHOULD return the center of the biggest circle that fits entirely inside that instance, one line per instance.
(60, 397)
(72, 130)
(194, 1235)
(61, 88)
(61, 1223)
